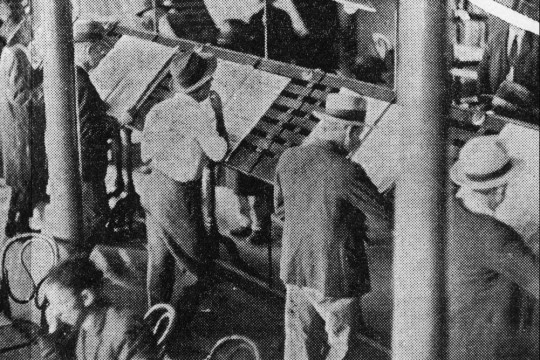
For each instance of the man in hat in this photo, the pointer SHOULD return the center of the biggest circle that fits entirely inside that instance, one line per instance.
(512, 52)
(96, 128)
(323, 264)
(22, 119)
(488, 263)
(179, 139)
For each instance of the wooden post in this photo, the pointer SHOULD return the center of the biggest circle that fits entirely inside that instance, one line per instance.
(418, 270)
(64, 221)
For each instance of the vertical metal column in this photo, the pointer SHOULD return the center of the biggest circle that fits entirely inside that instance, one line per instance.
(418, 270)
(65, 218)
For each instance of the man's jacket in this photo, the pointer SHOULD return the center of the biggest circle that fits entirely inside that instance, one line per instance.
(488, 266)
(325, 198)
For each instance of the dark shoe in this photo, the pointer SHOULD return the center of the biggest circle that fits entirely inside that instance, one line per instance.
(260, 237)
(241, 231)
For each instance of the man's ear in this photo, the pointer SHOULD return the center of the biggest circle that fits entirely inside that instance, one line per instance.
(88, 297)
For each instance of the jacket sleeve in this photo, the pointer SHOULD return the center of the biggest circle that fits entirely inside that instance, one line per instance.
(363, 194)
(18, 89)
(508, 255)
(213, 145)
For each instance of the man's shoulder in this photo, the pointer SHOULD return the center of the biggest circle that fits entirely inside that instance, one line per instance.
(314, 157)
(479, 226)
(177, 99)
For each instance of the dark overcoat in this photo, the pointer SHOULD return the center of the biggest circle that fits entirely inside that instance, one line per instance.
(488, 266)
(22, 123)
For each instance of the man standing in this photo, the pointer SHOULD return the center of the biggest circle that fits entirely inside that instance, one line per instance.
(22, 119)
(489, 265)
(96, 127)
(179, 139)
(324, 264)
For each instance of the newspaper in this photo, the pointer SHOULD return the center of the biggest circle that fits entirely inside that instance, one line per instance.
(246, 94)
(129, 71)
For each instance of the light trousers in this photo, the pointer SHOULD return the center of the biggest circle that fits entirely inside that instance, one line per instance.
(318, 327)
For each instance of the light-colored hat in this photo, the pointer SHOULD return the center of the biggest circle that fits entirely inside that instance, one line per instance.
(484, 164)
(523, 14)
(193, 70)
(87, 30)
(342, 108)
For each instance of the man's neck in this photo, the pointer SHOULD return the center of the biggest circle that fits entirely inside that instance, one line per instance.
(475, 201)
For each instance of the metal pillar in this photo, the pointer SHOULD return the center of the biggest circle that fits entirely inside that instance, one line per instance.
(64, 221)
(418, 270)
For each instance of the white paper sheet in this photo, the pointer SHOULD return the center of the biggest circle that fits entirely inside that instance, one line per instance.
(228, 78)
(379, 153)
(246, 94)
(127, 72)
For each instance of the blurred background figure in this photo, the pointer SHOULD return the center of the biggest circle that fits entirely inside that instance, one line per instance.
(22, 119)
(511, 55)
(143, 17)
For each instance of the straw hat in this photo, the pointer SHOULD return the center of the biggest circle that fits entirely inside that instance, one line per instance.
(345, 109)
(484, 164)
(193, 70)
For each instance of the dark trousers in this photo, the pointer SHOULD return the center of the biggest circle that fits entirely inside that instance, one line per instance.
(176, 237)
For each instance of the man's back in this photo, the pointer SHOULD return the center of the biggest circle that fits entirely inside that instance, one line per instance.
(487, 265)
(324, 234)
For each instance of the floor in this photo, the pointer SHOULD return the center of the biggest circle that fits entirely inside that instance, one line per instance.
(230, 310)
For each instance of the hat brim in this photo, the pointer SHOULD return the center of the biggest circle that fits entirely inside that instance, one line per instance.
(508, 15)
(208, 73)
(327, 117)
(458, 176)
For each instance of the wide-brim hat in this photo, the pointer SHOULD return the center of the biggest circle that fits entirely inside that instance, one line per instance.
(193, 70)
(484, 164)
(344, 109)
(87, 31)
(523, 14)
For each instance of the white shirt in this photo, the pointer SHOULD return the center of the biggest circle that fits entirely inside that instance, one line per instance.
(179, 136)
(513, 32)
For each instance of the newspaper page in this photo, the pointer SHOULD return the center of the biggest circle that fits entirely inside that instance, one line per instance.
(128, 71)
